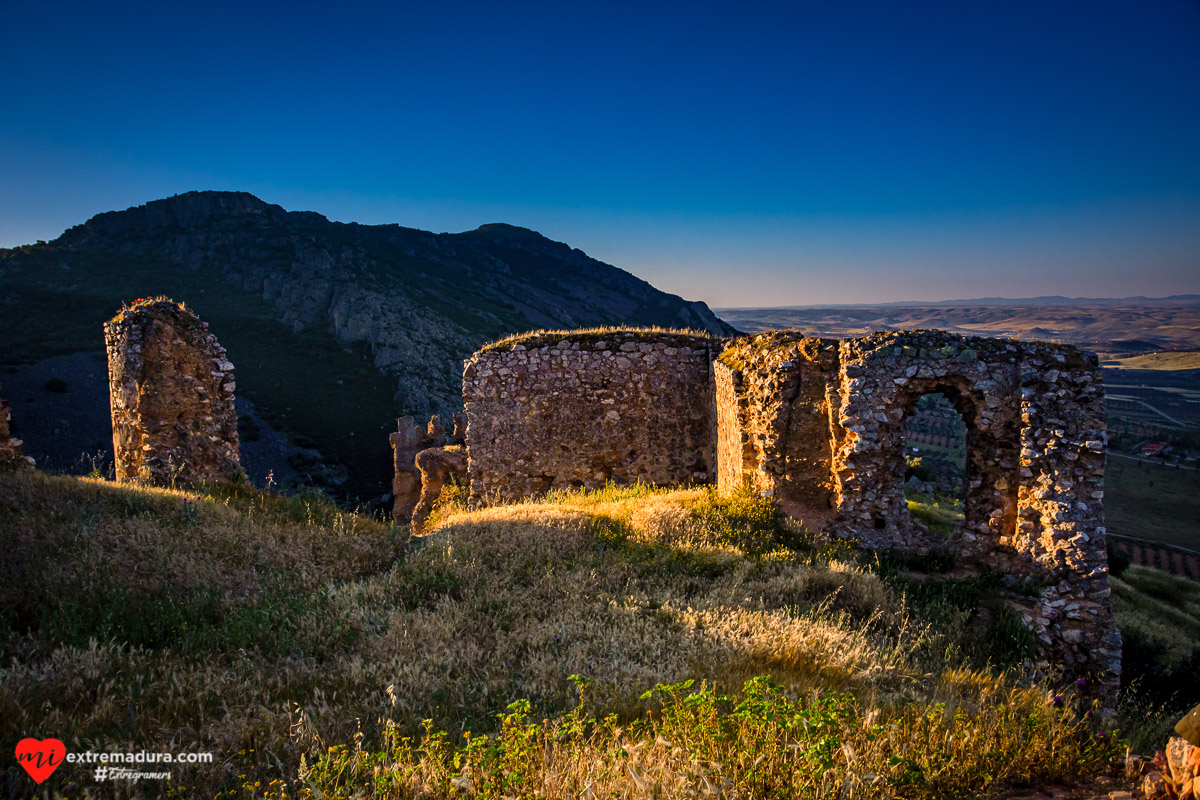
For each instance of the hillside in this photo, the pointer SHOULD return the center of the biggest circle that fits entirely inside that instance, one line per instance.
(336, 328)
(675, 643)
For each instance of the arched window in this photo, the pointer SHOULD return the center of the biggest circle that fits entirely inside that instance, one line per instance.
(935, 458)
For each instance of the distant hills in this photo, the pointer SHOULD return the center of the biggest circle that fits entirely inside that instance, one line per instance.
(335, 328)
(1043, 300)
(1126, 325)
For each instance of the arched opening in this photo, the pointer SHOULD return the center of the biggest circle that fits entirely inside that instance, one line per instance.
(935, 464)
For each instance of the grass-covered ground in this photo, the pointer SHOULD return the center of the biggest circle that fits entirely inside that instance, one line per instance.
(621, 643)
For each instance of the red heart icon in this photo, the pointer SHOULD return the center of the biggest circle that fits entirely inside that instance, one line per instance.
(40, 759)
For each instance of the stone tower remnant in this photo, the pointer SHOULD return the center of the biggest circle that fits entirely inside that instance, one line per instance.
(171, 391)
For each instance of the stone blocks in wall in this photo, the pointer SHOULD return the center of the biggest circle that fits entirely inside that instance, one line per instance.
(579, 410)
(171, 390)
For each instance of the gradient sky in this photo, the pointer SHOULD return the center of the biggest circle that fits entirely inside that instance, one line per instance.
(737, 153)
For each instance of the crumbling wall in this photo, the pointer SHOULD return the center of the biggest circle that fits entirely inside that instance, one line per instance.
(407, 442)
(1035, 461)
(579, 410)
(438, 466)
(10, 446)
(171, 392)
(774, 394)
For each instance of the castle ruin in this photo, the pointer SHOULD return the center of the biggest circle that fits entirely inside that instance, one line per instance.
(818, 425)
(171, 392)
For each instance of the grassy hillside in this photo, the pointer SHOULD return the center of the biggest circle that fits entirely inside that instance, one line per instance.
(637, 642)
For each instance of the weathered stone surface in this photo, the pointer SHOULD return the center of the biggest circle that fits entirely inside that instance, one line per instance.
(10, 446)
(438, 466)
(171, 391)
(819, 424)
(579, 411)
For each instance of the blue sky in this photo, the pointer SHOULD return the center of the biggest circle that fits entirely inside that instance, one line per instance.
(742, 154)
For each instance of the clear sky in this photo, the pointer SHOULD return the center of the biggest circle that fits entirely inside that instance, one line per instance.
(738, 153)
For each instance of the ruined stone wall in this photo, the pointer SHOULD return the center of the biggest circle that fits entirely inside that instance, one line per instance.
(773, 397)
(407, 442)
(10, 446)
(552, 411)
(1035, 460)
(171, 392)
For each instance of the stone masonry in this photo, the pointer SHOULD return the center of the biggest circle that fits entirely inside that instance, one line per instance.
(819, 425)
(555, 411)
(171, 391)
(10, 446)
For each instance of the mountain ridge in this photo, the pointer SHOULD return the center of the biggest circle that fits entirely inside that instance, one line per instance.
(298, 299)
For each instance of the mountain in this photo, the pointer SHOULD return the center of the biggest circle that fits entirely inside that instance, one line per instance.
(336, 328)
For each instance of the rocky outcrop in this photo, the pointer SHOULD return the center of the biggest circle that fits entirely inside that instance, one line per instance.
(171, 390)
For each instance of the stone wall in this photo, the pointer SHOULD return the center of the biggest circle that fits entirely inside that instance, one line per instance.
(407, 442)
(578, 410)
(10, 446)
(171, 392)
(820, 424)
(438, 466)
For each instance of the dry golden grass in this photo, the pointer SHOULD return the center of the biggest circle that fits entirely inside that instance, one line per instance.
(312, 669)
